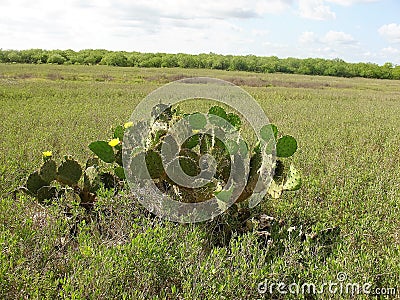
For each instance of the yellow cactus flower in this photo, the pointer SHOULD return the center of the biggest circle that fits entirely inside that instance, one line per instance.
(47, 153)
(113, 142)
(128, 124)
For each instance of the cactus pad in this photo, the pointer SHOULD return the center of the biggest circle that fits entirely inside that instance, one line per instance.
(205, 143)
(103, 150)
(269, 131)
(46, 193)
(154, 164)
(119, 172)
(191, 142)
(34, 183)
(286, 146)
(197, 121)
(48, 171)
(218, 111)
(69, 172)
(275, 190)
(232, 147)
(162, 112)
(279, 171)
(293, 180)
(235, 120)
(189, 162)
(91, 179)
(119, 132)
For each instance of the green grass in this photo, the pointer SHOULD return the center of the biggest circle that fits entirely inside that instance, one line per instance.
(349, 146)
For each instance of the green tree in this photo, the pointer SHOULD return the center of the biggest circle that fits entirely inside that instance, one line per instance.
(56, 59)
(115, 59)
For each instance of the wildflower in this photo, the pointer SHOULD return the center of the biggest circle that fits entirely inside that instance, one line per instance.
(128, 124)
(113, 142)
(47, 154)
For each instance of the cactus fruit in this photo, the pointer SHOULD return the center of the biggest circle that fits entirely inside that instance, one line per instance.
(34, 183)
(69, 172)
(286, 146)
(103, 150)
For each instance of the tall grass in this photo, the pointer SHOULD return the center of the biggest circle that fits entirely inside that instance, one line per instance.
(346, 216)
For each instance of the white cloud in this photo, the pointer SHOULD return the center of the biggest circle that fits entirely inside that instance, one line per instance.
(259, 32)
(170, 25)
(390, 54)
(315, 10)
(308, 37)
(390, 51)
(338, 37)
(351, 2)
(330, 38)
(391, 32)
(332, 44)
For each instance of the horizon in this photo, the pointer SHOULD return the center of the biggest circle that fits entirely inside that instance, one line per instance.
(355, 31)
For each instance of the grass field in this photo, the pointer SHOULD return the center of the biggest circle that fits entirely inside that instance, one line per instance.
(349, 153)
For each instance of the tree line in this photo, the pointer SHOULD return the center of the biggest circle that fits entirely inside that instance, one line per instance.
(251, 63)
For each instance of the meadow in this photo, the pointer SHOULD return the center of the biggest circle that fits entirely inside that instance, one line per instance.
(345, 218)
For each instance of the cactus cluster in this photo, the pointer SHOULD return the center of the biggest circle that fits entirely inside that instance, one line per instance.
(41, 183)
(51, 181)
(189, 153)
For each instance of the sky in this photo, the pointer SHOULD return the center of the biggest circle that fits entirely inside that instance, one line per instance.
(353, 30)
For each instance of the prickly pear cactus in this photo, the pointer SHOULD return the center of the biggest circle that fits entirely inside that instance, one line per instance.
(199, 144)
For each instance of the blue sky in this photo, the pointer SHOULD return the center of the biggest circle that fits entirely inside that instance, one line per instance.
(354, 30)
